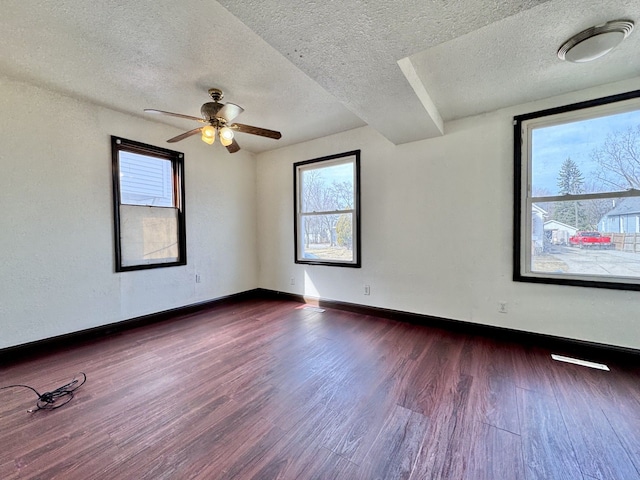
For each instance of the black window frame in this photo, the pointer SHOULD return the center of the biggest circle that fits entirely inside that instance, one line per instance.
(357, 243)
(119, 144)
(520, 272)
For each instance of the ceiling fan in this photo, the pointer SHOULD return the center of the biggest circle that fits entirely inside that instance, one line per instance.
(218, 117)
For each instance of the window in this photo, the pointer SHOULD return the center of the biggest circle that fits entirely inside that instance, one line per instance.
(577, 194)
(327, 210)
(148, 194)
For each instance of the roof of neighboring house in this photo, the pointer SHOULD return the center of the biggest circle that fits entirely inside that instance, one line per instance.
(535, 208)
(625, 207)
(549, 224)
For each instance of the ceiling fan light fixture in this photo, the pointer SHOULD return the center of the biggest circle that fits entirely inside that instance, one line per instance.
(216, 116)
(595, 42)
(226, 136)
(208, 134)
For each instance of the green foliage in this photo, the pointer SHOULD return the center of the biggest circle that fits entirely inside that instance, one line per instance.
(344, 232)
(571, 213)
(570, 181)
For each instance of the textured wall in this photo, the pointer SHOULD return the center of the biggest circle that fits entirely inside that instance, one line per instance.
(56, 228)
(437, 232)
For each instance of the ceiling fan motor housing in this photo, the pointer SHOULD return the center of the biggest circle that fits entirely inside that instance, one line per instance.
(210, 110)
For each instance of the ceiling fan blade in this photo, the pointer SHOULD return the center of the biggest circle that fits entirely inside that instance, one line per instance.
(179, 115)
(233, 147)
(230, 111)
(263, 132)
(184, 135)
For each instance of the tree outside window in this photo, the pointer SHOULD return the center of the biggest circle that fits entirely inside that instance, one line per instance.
(577, 194)
(327, 210)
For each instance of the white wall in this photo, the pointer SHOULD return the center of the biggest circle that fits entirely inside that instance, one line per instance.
(437, 232)
(56, 226)
(56, 233)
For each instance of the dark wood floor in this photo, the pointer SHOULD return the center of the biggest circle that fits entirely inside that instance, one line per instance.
(266, 389)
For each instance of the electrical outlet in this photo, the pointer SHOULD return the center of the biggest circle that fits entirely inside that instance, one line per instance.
(198, 278)
(367, 290)
(502, 307)
(292, 281)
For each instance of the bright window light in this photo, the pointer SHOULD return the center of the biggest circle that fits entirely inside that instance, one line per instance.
(578, 194)
(327, 223)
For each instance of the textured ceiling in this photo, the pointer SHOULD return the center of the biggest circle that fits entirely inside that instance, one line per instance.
(351, 48)
(165, 55)
(514, 60)
(310, 69)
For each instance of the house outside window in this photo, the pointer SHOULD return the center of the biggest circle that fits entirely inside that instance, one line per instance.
(148, 198)
(577, 175)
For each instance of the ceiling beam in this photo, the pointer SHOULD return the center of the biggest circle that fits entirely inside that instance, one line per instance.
(423, 95)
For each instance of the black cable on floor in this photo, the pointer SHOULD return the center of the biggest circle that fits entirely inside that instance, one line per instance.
(56, 398)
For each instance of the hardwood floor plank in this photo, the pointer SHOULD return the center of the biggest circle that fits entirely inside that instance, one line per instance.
(627, 430)
(445, 453)
(249, 458)
(495, 455)
(615, 391)
(493, 390)
(547, 448)
(312, 395)
(297, 453)
(502, 404)
(435, 376)
(65, 457)
(366, 413)
(397, 447)
(318, 464)
(533, 369)
(263, 389)
(361, 426)
(598, 450)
